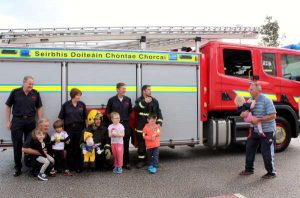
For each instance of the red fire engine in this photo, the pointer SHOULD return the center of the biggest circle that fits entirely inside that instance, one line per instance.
(227, 69)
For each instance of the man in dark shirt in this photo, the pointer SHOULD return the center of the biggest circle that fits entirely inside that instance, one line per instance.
(25, 102)
(122, 104)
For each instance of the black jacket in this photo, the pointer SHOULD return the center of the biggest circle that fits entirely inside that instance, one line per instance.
(144, 109)
(245, 107)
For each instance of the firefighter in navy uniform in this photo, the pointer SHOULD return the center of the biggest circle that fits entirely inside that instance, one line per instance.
(101, 139)
(145, 105)
(25, 102)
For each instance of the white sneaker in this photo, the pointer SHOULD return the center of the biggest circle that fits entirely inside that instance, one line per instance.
(42, 176)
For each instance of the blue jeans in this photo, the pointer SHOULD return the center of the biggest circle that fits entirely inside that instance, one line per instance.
(152, 156)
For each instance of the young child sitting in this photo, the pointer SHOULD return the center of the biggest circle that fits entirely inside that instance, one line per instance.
(151, 133)
(59, 138)
(246, 107)
(38, 137)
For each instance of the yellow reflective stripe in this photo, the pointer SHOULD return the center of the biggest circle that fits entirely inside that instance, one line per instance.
(296, 98)
(192, 89)
(271, 96)
(100, 88)
(142, 106)
(246, 94)
(40, 88)
(143, 114)
(47, 88)
(139, 131)
(112, 88)
(8, 88)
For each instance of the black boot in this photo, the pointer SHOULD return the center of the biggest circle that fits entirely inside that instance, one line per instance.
(92, 166)
(17, 173)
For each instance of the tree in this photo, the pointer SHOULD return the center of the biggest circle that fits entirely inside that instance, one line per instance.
(270, 32)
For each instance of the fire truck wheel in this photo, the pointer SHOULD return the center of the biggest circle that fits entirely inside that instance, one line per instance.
(283, 134)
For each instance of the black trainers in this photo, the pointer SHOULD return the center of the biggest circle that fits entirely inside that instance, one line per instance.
(246, 173)
(17, 173)
(269, 176)
(42, 176)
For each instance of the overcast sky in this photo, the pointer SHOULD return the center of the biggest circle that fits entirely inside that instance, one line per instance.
(87, 13)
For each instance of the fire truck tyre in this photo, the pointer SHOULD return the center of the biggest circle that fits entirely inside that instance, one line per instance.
(283, 134)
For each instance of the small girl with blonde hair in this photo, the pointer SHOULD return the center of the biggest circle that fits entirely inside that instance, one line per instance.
(246, 107)
(116, 132)
(38, 137)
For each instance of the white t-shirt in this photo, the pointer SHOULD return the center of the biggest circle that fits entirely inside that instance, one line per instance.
(61, 136)
(118, 128)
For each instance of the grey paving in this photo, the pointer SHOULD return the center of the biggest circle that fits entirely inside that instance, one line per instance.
(183, 172)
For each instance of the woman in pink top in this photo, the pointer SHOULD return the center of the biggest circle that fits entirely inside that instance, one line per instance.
(116, 133)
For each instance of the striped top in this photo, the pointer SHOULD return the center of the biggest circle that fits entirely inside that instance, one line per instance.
(264, 106)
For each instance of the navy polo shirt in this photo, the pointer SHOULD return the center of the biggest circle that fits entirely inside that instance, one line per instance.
(123, 107)
(71, 114)
(24, 105)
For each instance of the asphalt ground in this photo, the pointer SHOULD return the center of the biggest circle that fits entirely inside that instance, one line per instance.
(183, 172)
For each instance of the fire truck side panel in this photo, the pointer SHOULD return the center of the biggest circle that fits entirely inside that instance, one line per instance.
(98, 81)
(175, 87)
(47, 77)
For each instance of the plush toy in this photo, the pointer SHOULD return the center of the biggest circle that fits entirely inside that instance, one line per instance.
(88, 149)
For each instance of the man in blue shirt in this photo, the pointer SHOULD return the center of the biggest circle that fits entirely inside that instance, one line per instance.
(265, 112)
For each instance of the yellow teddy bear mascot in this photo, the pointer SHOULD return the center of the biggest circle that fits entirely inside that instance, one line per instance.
(88, 150)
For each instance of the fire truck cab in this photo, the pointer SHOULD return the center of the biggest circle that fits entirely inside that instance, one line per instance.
(226, 71)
